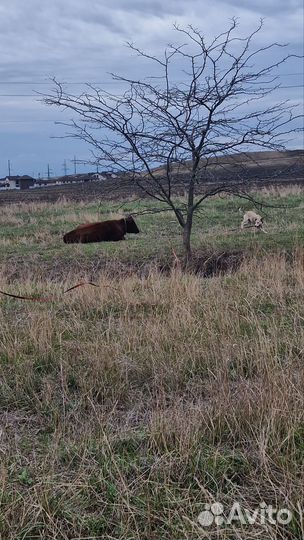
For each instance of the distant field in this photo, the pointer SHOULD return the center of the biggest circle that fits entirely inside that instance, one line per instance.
(127, 407)
(260, 169)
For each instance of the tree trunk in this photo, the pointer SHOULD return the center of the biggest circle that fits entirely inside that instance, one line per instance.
(187, 240)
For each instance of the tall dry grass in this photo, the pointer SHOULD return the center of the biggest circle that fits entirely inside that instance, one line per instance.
(126, 408)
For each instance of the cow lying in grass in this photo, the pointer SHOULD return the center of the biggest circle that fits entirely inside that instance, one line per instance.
(252, 219)
(104, 231)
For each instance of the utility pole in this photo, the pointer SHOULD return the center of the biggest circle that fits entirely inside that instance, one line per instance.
(65, 168)
(9, 167)
(75, 162)
(49, 171)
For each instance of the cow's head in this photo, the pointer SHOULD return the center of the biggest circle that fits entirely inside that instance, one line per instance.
(131, 225)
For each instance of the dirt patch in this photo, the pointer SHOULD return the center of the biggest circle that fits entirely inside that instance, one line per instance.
(206, 264)
(210, 264)
(218, 263)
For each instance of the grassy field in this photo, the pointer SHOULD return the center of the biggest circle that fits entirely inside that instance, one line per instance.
(125, 408)
(31, 234)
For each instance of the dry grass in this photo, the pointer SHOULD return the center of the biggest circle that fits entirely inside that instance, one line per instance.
(127, 407)
(280, 191)
(12, 212)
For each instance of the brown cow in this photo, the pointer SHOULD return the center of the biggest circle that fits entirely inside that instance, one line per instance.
(102, 231)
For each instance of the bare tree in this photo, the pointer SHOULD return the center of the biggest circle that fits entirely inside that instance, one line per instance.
(162, 132)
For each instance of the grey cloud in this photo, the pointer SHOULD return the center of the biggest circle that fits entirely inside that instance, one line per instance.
(156, 8)
(73, 36)
(269, 7)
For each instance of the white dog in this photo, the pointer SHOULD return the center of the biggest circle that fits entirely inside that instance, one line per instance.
(253, 219)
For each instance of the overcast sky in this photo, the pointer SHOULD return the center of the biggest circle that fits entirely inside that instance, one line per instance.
(79, 41)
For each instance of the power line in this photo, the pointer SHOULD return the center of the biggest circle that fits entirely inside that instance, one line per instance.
(114, 81)
(65, 82)
(34, 95)
(28, 121)
(55, 121)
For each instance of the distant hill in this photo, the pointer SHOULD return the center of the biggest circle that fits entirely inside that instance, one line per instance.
(258, 168)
